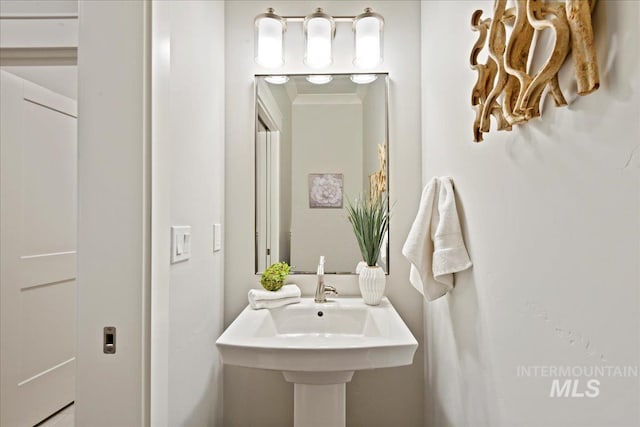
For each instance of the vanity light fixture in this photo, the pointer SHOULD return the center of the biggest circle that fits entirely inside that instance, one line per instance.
(319, 79)
(269, 31)
(276, 80)
(367, 30)
(363, 79)
(319, 31)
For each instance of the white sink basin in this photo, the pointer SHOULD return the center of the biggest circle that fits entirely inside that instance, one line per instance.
(342, 335)
(318, 347)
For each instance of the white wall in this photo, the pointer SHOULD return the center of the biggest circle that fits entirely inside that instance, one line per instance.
(551, 217)
(374, 398)
(188, 189)
(321, 148)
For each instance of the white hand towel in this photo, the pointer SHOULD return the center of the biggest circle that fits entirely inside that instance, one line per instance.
(434, 245)
(273, 303)
(287, 292)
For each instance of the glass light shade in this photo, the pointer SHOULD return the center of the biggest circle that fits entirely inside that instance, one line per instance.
(276, 80)
(319, 79)
(368, 31)
(319, 30)
(363, 79)
(269, 39)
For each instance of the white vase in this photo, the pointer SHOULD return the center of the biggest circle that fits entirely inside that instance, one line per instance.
(372, 282)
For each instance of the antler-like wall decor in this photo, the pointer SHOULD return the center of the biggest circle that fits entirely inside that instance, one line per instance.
(505, 88)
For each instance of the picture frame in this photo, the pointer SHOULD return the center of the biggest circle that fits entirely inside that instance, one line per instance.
(326, 190)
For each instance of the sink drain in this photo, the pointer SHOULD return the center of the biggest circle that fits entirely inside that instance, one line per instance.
(320, 314)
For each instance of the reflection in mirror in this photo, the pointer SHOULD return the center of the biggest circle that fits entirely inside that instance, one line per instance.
(317, 146)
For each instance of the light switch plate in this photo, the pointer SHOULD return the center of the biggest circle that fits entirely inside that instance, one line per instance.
(217, 237)
(180, 243)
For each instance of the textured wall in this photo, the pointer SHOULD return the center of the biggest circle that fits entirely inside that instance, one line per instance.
(551, 216)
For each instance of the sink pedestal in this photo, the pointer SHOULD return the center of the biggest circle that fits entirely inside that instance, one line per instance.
(319, 398)
(319, 405)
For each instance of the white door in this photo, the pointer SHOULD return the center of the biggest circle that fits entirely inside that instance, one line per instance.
(38, 156)
(273, 195)
(262, 199)
(268, 196)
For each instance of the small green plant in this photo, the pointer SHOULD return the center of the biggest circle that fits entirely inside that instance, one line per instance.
(273, 277)
(370, 221)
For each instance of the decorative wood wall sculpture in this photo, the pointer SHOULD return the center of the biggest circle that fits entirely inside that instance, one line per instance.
(505, 88)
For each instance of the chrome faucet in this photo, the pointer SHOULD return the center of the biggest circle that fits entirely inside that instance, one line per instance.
(322, 289)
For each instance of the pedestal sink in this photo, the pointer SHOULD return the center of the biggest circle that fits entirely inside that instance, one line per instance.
(318, 347)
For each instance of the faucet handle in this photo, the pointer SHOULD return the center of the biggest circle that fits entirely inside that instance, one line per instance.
(328, 289)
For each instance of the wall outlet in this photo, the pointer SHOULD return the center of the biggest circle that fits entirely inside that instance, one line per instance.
(180, 243)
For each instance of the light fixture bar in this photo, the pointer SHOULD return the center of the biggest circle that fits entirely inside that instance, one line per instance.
(319, 31)
(295, 18)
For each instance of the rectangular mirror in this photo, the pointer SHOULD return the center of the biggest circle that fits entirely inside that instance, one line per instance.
(317, 145)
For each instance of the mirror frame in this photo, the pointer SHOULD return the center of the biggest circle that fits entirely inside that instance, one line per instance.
(385, 75)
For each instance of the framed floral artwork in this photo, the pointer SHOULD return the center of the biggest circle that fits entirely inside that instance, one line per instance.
(325, 190)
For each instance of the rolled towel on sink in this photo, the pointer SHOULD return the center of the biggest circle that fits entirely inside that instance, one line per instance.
(261, 298)
(273, 303)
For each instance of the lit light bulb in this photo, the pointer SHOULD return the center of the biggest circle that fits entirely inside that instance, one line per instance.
(277, 80)
(269, 31)
(319, 29)
(319, 79)
(368, 39)
(363, 79)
